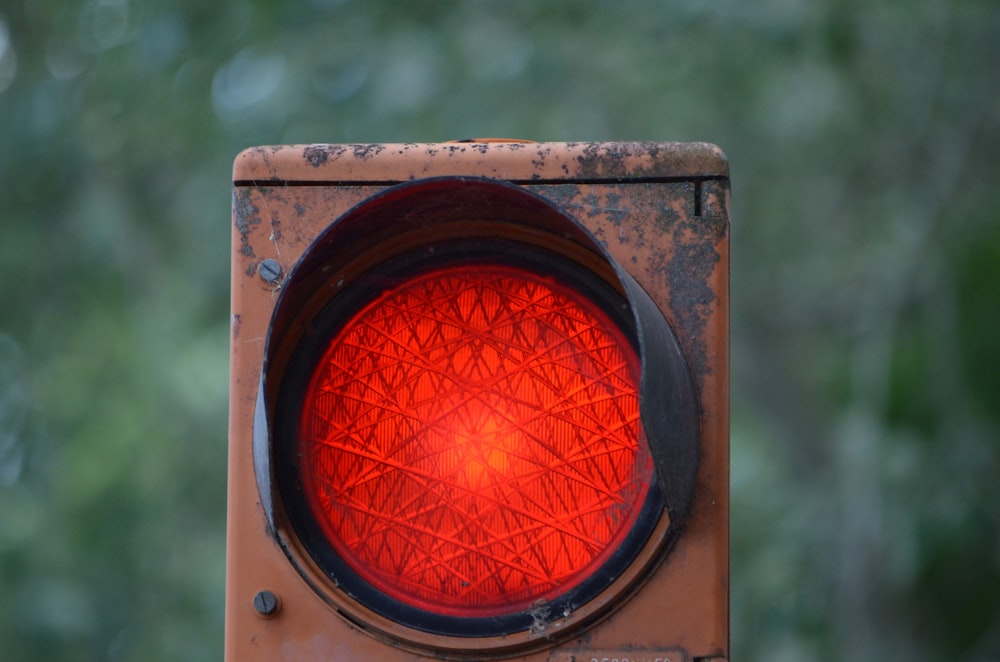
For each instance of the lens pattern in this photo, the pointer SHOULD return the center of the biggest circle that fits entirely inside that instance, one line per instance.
(470, 441)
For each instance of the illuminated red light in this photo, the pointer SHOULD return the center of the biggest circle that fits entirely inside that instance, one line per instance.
(470, 441)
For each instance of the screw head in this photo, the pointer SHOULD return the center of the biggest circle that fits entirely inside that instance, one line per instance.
(269, 271)
(266, 603)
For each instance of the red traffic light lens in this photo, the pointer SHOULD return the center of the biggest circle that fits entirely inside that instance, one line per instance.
(469, 442)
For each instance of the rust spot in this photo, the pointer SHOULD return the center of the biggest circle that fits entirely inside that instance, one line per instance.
(316, 155)
(691, 296)
(603, 161)
(713, 196)
(246, 215)
(689, 270)
(631, 160)
(366, 152)
(592, 205)
(614, 208)
(667, 218)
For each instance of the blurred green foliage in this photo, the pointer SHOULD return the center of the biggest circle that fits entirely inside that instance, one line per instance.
(863, 139)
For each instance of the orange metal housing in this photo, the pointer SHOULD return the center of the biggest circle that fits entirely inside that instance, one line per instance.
(661, 211)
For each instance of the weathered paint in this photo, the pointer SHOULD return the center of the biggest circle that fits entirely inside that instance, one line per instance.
(660, 209)
(517, 161)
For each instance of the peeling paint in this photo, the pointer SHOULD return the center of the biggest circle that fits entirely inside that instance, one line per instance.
(365, 152)
(692, 298)
(316, 155)
(246, 215)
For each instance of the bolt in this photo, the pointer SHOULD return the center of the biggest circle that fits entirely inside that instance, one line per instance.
(269, 271)
(266, 603)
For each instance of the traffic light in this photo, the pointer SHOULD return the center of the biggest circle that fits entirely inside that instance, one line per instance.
(479, 403)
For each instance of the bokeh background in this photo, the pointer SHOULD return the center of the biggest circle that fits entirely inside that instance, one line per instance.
(863, 137)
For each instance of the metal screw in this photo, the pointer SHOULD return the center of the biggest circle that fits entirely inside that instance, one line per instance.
(266, 603)
(269, 271)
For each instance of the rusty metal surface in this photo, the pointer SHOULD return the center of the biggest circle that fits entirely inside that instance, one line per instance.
(662, 212)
